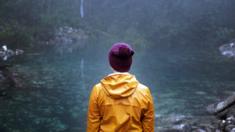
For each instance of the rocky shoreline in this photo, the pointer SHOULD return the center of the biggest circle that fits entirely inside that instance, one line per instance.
(224, 111)
(220, 118)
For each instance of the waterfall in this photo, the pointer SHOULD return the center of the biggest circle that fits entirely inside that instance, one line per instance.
(82, 9)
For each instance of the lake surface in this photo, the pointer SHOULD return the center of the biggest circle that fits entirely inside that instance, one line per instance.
(57, 86)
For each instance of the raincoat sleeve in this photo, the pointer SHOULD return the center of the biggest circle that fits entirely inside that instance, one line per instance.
(148, 119)
(94, 117)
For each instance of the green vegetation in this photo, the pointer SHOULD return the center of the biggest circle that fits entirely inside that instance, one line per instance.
(178, 23)
(24, 22)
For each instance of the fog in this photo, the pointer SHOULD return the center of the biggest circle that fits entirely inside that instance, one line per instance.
(54, 52)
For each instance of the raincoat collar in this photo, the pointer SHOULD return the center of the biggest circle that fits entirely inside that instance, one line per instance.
(119, 85)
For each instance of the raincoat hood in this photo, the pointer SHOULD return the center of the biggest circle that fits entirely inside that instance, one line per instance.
(119, 85)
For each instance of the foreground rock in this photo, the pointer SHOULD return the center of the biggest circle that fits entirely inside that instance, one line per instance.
(223, 108)
(224, 111)
(181, 123)
(221, 118)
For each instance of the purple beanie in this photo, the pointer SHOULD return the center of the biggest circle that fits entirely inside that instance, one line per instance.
(120, 57)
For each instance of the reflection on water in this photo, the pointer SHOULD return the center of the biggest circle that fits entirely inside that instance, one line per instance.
(57, 87)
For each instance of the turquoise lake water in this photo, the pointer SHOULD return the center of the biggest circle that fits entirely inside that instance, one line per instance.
(57, 86)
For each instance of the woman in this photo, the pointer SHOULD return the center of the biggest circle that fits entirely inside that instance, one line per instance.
(120, 103)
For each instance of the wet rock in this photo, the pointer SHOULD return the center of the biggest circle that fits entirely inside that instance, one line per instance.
(222, 108)
(177, 119)
(6, 53)
(217, 130)
(231, 111)
(192, 124)
(177, 128)
(181, 123)
(225, 113)
(233, 130)
(207, 127)
(230, 120)
(228, 124)
(199, 130)
(229, 128)
(228, 50)
(222, 125)
(182, 128)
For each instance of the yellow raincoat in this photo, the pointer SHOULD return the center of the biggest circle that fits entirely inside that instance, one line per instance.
(119, 103)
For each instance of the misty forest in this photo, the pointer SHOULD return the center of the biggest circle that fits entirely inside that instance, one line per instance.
(52, 52)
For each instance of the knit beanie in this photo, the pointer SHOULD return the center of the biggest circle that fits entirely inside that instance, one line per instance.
(120, 57)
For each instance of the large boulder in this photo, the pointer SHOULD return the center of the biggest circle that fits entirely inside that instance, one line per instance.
(223, 108)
